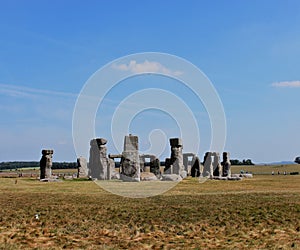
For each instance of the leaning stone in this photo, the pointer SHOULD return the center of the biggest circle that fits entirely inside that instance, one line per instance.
(171, 177)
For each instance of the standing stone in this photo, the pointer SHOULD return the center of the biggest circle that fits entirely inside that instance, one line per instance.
(226, 164)
(177, 156)
(155, 166)
(46, 164)
(168, 167)
(208, 167)
(82, 167)
(187, 164)
(196, 165)
(98, 163)
(217, 165)
(130, 161)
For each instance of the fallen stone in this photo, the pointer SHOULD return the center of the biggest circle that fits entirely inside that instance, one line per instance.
(246, 175)
(50, 180)
(171, 177)
(147, 176)
(126, 178)
(183, 174)
(219, 178)
(234, 178)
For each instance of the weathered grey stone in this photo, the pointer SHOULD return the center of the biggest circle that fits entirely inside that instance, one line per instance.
(176, 155)
(112, 173)
(234, 178)
(50, 180)
(154, 165)
(196, 165)
(82, 167)
(183, 174)
(226, 164)
(219, 178)
(131, 143)
(188, 165)
(101, 141)
(98, 162)
(171, 177)
(246, 175)
(146, 176)
(175, 142)
(168, 167)
(217, 167)
(208, 167)
(130, 161)
(46, 164)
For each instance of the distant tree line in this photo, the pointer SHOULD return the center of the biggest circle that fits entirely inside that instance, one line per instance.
(243, 162)
(35, 164)
(12, 165)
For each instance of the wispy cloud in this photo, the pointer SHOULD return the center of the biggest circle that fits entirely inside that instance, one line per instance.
(21, 91)
(146, 66)
(287, 84)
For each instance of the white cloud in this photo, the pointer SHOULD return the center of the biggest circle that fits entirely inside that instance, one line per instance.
(287, 84)
(146, 66)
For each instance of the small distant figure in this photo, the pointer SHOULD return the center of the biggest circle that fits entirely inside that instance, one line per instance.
(36, 216)
(278, 173)
(272, 172)
(284, 172)
(16, 181)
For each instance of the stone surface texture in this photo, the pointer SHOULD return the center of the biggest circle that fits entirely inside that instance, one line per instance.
(46, 164)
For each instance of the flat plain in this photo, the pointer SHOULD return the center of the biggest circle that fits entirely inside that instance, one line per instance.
(258, 213)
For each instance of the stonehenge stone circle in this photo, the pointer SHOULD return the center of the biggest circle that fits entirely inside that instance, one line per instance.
(133, 167)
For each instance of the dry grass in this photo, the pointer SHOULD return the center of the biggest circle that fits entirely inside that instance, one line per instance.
(259, 213)
(262, 169)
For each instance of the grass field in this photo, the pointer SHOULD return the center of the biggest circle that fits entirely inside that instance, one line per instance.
(262, 169)
(258, 213)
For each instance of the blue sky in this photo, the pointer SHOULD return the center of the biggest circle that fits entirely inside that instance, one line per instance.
(250, 50)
